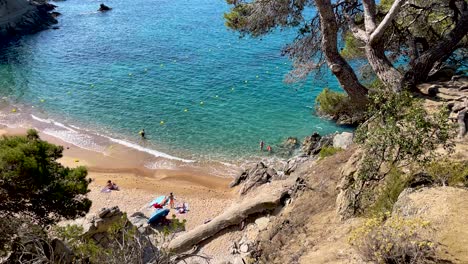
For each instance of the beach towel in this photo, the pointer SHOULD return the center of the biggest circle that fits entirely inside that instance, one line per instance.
(105, 190)
(159, 200)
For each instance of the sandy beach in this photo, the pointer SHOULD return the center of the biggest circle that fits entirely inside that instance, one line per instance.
(206, 195)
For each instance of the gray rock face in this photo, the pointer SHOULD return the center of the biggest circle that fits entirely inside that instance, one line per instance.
(314, 143)
(343, 140)
(18, 17)
(101, 222)
(293, 163)
(255, 176)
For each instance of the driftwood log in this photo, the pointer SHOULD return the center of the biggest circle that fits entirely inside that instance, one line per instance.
(268, 198)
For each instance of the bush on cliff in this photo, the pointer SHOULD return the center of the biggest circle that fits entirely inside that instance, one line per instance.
(35, 187)
(394, 240)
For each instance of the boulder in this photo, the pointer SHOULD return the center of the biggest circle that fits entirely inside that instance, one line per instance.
(343, 140)
(262, 223)
(101, 222)
(62, 251)
(314, 143)
(104, 8)
(255, 176)
(293, 163)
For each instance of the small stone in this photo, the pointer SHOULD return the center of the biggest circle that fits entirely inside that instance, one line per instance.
(262, 223)
(244, 248)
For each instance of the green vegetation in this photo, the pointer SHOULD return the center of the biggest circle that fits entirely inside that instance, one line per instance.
(446, 172)
(394, 240)
(395, 182)
(33, 183)
(328, 151)
(400, 133)
(353, 48)
(331, 103)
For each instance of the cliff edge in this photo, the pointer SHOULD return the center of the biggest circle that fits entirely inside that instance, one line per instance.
(19, 17)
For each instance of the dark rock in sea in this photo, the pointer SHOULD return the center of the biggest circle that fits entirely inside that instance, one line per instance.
(55, 28)
(55, 14)
(104, 8)
(20, 17)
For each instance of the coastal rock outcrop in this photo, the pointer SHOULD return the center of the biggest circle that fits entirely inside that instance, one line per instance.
(315, 142)
(255, 176)
(19, 17)
(97, 226)
(343, 140)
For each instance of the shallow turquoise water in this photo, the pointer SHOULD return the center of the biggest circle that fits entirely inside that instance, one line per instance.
(172, 61)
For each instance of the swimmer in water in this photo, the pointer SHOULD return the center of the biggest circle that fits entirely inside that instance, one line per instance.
(142, 133)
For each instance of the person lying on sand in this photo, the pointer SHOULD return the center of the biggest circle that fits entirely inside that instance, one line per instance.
(160, 205)
(112, 186)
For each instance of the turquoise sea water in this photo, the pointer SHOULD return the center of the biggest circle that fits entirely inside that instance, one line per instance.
(173, 61)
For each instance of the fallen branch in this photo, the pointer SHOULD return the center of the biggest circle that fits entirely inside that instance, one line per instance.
(268, 198)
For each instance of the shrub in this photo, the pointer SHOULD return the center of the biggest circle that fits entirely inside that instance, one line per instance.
(328, 151)
(447, 172)
(394, 240)
(387, 195)
(33, 183)
(399, 132)
(331, 103)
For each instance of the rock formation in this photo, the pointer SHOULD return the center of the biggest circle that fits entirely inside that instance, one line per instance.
(255, 176)
(104, 8)
(314, 143)
(18, 17)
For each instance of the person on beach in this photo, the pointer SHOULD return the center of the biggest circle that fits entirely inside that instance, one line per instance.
(269, 148)
(261, 145)
(171, 200)
(142, 133)
(111, 186)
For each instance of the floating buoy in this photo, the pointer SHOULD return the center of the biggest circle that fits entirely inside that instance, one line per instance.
(130, 74)
(246, 81)
(277, 67)
(256, 76)
(162, 65)
(110, 80)
(146, 70)
(92, 85)
(13, 110)
(201, 103)
(42, 100)
(68, 92)
(162, 122)
(185, 110)
(267, 72)
(232, 89)
(216, 96)
(174, 61)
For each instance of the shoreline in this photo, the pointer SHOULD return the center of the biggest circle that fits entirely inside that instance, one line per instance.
(206, 195)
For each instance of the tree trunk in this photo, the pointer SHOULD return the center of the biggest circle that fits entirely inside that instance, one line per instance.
(420, 68)
(382, 66)
(337, 64)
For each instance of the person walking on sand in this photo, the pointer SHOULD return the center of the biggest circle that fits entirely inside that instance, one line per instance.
(261, 145)
(142, 133)
(171, 200)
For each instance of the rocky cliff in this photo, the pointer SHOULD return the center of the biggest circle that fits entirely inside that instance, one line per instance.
(19, 17)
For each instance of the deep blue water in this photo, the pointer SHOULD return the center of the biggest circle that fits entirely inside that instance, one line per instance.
(148, 61)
